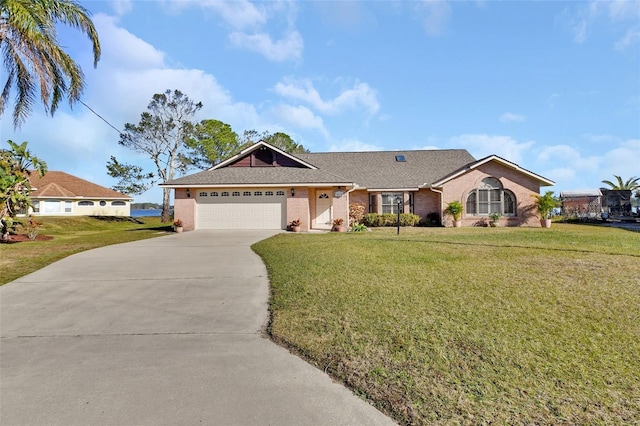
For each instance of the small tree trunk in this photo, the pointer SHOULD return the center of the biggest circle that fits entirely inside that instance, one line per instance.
(166, 205)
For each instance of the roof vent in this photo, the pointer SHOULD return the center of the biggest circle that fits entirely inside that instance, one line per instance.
(400, 158)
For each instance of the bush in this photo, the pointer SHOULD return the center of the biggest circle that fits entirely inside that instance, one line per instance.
(356, 213)
(432, 219)
(391, 219)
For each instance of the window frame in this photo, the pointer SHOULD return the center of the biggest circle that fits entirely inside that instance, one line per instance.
(491, 197)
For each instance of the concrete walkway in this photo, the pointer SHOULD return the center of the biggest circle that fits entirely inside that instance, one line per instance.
(165, 331)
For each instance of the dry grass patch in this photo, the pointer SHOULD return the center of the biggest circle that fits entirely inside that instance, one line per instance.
(468, 325)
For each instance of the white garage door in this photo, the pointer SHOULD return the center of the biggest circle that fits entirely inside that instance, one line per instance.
(241, 209)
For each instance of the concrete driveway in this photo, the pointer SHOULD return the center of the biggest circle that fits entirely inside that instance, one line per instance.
(165, 331)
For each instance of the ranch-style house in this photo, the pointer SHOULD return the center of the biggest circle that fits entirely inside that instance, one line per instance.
(263, 187)
(61, 194)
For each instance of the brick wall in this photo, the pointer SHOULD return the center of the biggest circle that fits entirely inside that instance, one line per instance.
(522, 186)
(185, 209)
(298, 207)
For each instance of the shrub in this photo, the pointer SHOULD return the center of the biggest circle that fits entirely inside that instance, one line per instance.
(391, 219)
(432, 219)
(356, 213)
(358, 227)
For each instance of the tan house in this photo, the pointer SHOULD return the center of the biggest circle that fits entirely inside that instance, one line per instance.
(62, 194)
(264, 187)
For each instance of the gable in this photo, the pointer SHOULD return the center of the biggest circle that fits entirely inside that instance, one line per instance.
(542, 181)
(261, 154)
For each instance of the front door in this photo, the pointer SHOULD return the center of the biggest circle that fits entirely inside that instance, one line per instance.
(323, 209)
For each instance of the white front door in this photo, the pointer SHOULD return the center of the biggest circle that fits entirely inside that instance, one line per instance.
(323, 209)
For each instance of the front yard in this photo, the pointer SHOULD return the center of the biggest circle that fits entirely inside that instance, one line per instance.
(469, 325)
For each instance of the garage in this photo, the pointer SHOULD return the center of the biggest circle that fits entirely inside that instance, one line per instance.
(241, 208)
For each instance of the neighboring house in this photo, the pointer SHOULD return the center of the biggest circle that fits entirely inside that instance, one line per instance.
(62, 194)
(595, 203)
(264, 187)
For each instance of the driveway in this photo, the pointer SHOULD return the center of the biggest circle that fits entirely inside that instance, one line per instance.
(165, 331)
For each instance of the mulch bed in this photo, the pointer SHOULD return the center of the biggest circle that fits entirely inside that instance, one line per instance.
(18, 238)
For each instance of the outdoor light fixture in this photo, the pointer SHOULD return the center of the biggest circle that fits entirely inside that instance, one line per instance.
(188, 193)
(293, 192)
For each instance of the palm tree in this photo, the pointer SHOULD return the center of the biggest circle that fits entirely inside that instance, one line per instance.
(631, 184)
(34, 60)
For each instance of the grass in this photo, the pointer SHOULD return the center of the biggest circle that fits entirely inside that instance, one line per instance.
(71, 235)
(469, 325)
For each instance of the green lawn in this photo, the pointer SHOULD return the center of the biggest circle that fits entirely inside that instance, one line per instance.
(71, 235)
(469, 325)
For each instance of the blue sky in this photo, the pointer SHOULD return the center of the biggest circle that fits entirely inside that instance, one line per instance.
(552, 86)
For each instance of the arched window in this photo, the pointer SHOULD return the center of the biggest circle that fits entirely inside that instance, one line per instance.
(491, 197)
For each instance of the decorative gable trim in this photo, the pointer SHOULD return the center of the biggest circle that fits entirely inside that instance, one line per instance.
(254, 147)
(544, 181)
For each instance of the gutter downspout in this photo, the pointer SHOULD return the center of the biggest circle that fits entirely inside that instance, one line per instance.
(441, 203)
(355, 186)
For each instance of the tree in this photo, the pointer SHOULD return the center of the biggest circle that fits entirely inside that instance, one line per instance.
(210, 142)
(33, 57)
(16, 165)
(160, 135)
(631, 184)
(279, 140)
(284, 142)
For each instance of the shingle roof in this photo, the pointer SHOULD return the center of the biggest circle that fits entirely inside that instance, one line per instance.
(373, 170)
(380, 170)
(63, 185)
(259, 176)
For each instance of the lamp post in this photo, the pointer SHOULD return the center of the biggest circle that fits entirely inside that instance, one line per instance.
(398, 201)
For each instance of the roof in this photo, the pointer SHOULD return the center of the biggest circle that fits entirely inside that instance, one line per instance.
(55, 184)
(256, 176)
(375, 170)
(581, 193)
(475, 164)
(381, 170)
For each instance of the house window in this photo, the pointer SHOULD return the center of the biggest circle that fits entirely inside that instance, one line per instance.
(103, 203)
(268, 193)
(118, 203)
(36, 206)
(372, 203)
(67, 206)
(389, 204)
(85, 203)
(246, 194)
(52, 206)
(281, 193)
(202, 194)
(491, 197)
(235, 194)
(224, 194)
(258, 193)
(214, 194)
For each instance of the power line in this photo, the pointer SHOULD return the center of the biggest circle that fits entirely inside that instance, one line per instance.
(101, 117)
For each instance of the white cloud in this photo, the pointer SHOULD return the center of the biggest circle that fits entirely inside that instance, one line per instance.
(240, 14)
(353, 145)
(618, 15)
(299, 116)
(121, 7)
(359, 95)
(137, 54)
(435, 16)
(509, 117)
(631, 37)
(484, 145)
(287, 48)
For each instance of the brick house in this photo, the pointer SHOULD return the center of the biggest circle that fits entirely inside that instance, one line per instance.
(264, 187)
(61, 194)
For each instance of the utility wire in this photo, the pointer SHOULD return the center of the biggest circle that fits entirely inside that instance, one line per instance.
(101, 117)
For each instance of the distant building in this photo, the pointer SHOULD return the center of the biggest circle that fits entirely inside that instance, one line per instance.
(596, 203)
(61, 194)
